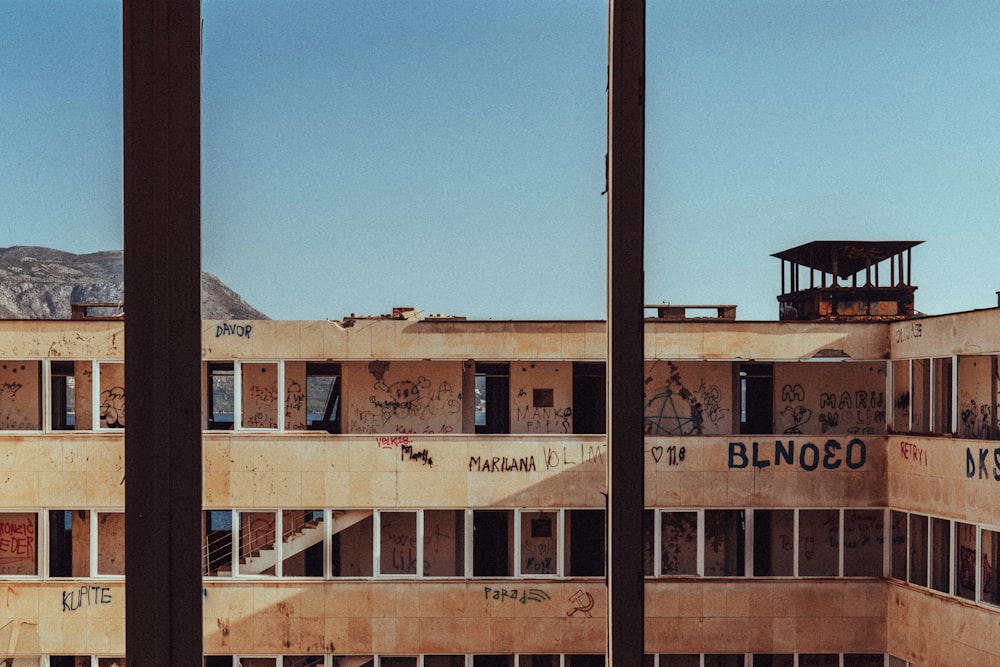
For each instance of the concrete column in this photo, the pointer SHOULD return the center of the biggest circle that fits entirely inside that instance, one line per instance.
(162, 207)
(626, 174)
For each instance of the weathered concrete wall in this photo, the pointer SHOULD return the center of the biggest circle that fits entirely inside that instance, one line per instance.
(957, 479)
(63, 618)
(402, 397)
(20, 392)
(531, 384)
(396, 618)
(930, 629)
(841, 397)
(714, 616)
(783, 471)
(689, 398)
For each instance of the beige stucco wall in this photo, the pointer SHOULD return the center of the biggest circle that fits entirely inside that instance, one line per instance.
(956, 479)
(930, 629)
(717, 616)
(753, 471)
(405, 618)
(527, 377)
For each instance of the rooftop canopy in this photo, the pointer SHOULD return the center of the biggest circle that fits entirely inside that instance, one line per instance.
(843, 258)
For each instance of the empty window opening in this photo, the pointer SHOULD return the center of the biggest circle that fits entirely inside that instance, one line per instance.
(585, 534)
(940, 555)
(69, 543)
(725, 548)
(819, 543)
(492, 398)
(589, 397)
(444, 543)
(492, 548)
(352, 534)
(323, 397)
(864, 542)
(539, 543)
(221, 395)
(302, 534)
(62, 406)
(918, 550)
(217, 547)
(756, 398)
(773, 543)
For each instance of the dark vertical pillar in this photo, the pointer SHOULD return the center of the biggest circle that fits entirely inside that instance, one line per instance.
(626, 174)
(161, 105)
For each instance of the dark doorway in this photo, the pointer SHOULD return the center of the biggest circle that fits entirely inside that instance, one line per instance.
(589, 397)
(757, 398)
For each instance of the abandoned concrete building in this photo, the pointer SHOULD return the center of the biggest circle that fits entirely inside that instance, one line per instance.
(407, 491)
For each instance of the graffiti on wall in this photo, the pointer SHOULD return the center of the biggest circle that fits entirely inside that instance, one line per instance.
(808, 456)
(676, 409)
(977, 422)
(407, 399)
(86, 596)
(17, 544)
(852, 412)
(113, 407)
(983, 465)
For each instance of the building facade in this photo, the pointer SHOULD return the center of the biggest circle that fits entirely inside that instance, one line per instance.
(404, 491)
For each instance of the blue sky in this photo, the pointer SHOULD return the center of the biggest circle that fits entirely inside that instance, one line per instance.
(450, 155)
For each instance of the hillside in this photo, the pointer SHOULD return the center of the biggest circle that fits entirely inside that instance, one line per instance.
(41, 283)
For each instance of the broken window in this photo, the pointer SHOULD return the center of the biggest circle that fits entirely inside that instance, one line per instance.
(493, 661)
(111, 401)
(864, 660)
(988, 565)
(725, 543)
(18, 543)
(585, 660)
(444, 661)
(920, 392)
(399, 548)
(217, 545)
(69, 543)
(352, 534)
(444, 543)
(492, 398)
(819, 543)
(648, 542)
(397, 661)
(918, 550)
(492, 535)
(537, 660)
(539, 543)
(257, 539)
(322, 397)
(678, 543)
(353, 661)
(585, 532)
(898, 532)
(819, 660)
(773, 660)
(301, 545)
(20, 395)
(940, 548)
(680, 660)
(62, 395)
(221, 395)
(723, 660)
(943, 388)
(864, 540)
(756, 398)
(773, 543)
(965, 560)
(259, 395)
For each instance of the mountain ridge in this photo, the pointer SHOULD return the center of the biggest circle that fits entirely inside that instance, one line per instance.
(38, 283)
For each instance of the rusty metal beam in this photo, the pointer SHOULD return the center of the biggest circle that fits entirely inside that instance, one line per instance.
(162, 208)
(626, 175)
